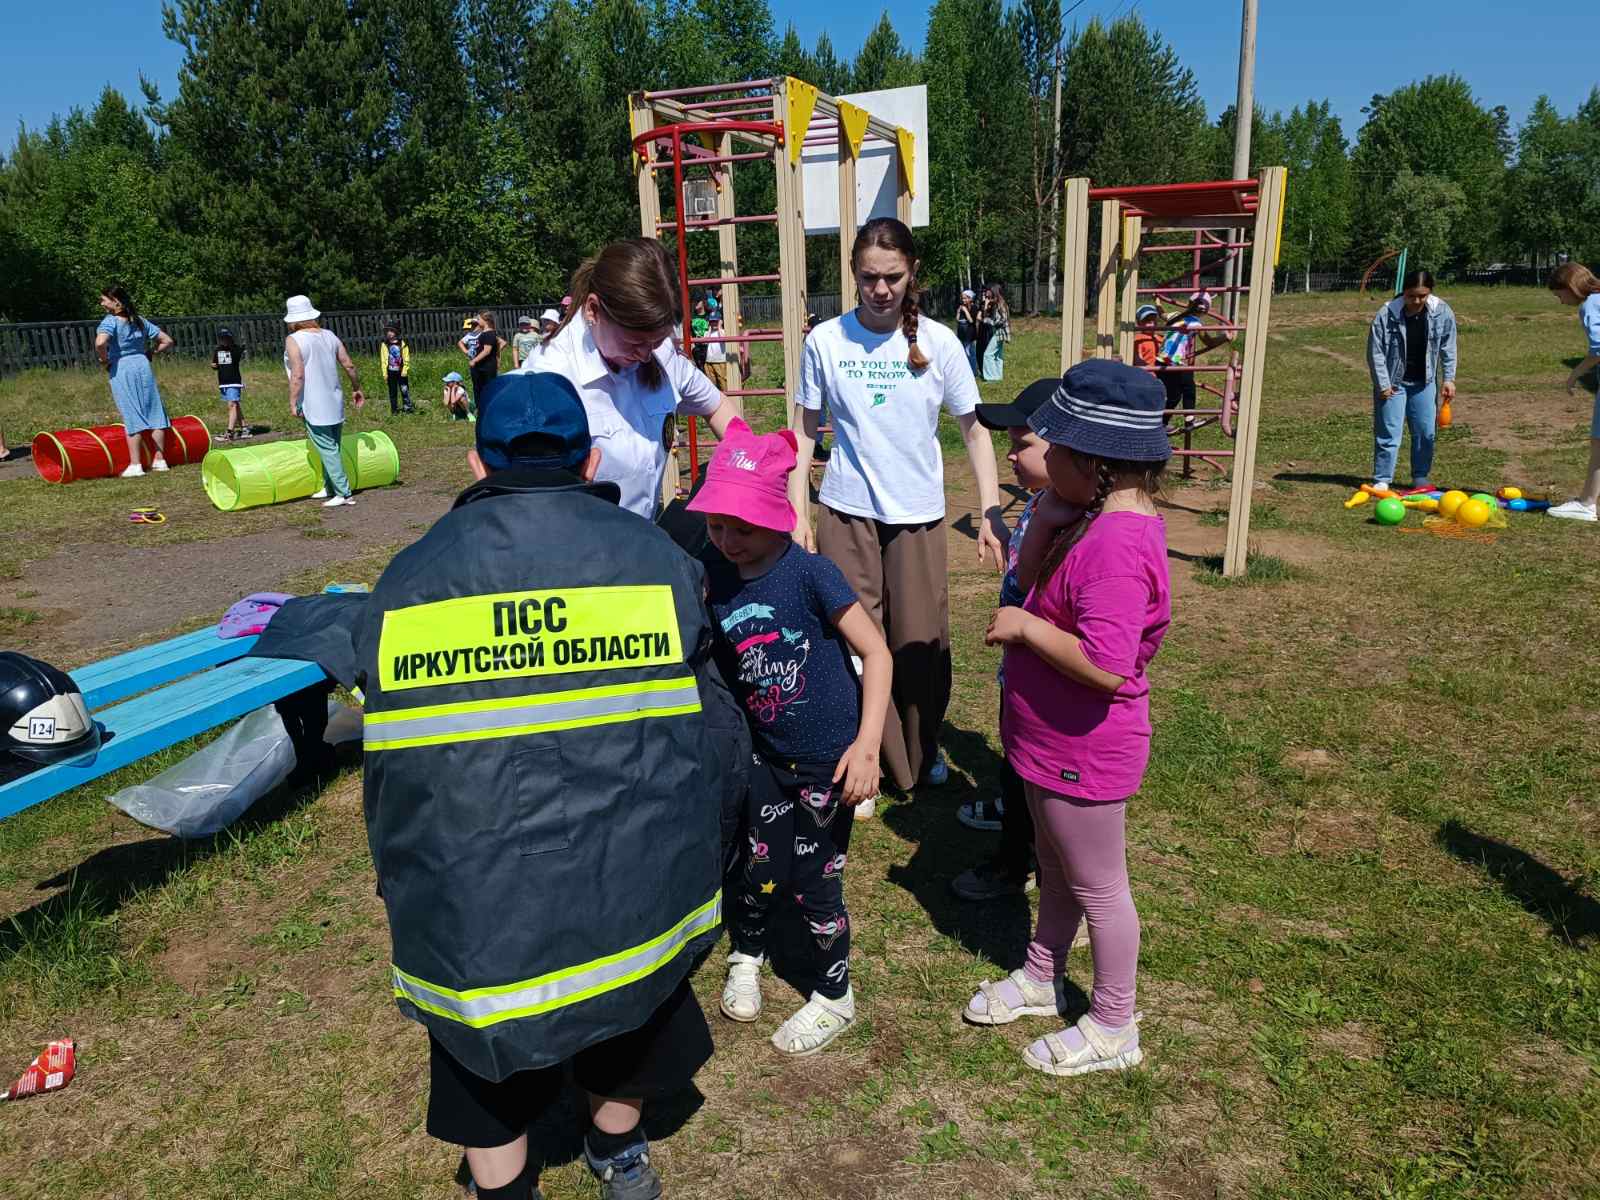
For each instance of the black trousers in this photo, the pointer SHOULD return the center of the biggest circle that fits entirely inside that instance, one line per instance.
(1016, 855)
(399, 389)
(798, 834)
(1180, 388)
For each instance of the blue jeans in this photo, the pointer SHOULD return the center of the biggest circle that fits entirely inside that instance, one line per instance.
(972, 356)
(1412, 406)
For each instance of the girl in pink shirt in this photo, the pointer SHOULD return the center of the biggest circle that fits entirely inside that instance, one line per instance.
(1077, 719)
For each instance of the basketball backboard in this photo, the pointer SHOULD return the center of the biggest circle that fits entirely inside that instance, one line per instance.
(876, 170)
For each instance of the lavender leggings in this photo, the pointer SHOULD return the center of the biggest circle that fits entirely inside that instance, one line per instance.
(1083, 872)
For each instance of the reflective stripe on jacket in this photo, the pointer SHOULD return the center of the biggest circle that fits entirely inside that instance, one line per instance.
(546, 759)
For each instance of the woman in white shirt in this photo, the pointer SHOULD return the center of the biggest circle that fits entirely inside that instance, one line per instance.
(615, 346)
(313, 357)
(884, 372)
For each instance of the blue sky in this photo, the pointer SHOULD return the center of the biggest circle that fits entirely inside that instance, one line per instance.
(1342, 52)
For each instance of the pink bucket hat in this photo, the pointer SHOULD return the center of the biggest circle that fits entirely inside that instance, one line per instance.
(748, 478)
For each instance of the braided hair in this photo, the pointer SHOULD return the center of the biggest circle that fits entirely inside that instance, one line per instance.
(1106, 472)
(886, 233)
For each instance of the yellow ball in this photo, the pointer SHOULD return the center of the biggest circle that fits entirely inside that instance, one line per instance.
(1450, 501)
(1472, 513)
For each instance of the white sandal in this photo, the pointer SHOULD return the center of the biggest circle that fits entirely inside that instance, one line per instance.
(818, 1022)
(741, 994)
(998, 1012)
(1102, 1051)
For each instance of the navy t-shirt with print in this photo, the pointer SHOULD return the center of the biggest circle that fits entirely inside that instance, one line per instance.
(786, 662)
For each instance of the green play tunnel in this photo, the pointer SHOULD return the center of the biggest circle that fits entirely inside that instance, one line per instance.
(247, 476)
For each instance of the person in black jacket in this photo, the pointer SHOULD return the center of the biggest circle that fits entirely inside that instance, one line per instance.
(551, 760)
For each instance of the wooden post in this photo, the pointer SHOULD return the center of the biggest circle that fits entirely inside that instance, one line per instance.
(791, 249)
(1105, 314)
(642, 116)
(847, 222)
(728, 252)
(1263, 257)
(1074, 266)
(1132, 236)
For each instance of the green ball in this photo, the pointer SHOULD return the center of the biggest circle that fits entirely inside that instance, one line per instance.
(1486, 498)
(1390, 511)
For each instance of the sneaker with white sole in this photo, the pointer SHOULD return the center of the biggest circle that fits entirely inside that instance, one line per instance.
(817, 1023)
(134, 470)
(159, 464)
(741, 994)
(979, 813)
(319, 494)
(939, 774)
(1381, 485)
(1099, 1050)
(338, 501)
(867, 809)
(1573, 510)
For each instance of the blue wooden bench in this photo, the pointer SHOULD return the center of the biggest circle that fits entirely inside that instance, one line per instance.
(199, 681)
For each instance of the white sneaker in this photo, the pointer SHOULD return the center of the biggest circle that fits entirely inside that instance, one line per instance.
(817, 1023)
(133, 472)
(867, 809)
(320, 494)
(1573, 510)
(338, 501)
(1382, 485)
(741, 994)
(159, 464)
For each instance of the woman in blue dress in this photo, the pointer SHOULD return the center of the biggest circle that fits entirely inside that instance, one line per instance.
(124, 343)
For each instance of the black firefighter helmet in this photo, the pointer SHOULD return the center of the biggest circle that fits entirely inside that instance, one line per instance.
(42, 714)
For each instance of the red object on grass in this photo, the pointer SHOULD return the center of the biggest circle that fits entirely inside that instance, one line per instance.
(67, 455)
(50, 1072)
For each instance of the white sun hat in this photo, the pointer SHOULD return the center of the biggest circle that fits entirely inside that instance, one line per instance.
(299, 308)
(550, 314)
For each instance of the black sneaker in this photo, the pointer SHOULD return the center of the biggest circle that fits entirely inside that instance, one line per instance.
(988, 881)
(625, 1176)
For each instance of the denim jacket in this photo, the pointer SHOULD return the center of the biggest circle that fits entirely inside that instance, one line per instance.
(1386, 345)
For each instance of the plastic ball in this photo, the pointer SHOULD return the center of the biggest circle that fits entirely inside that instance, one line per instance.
(1390, 511)
(1510, 493)
(1473, 513)
(1487, 499)
(1450, 501)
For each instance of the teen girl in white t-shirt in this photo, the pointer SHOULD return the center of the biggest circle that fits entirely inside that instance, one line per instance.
(885, 373)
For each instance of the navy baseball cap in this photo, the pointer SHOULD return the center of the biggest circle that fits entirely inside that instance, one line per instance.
(1016, 414)
(1107, 409)
(541, 411)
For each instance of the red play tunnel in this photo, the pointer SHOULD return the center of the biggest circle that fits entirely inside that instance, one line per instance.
(102, 451)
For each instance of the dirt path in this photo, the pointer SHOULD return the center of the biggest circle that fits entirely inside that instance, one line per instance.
(97, 595)
(1344, 360)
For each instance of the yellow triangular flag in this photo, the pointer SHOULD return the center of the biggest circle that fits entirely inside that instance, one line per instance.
(802, 103)
(853, 124)
(908, 158)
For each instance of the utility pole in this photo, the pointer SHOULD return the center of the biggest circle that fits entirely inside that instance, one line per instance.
(1055, 184)
(1244, 113)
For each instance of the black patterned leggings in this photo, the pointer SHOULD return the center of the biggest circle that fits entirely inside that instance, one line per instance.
(796, 855)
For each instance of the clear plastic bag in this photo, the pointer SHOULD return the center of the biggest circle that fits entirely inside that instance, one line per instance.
(214, 786)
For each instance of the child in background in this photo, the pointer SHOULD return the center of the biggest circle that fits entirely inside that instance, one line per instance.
(1077, 717)
(1574, 284)
(394, 357)
(483, 362)
(549, 319)
(1178, 350)
(455, 398)
(786, 625)
(524, 342)
(468, 344)
(716, 355)
(1006, 873)
(1145, 342)
(699, 326)
(230, 382)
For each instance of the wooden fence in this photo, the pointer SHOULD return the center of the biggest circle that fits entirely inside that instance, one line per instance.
(71, 343)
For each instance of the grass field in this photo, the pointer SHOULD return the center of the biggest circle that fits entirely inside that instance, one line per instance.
(1366, 856)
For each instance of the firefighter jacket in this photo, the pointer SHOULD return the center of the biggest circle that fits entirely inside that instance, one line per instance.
(549, 755)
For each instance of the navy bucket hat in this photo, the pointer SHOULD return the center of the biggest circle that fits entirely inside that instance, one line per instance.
(1107, 409)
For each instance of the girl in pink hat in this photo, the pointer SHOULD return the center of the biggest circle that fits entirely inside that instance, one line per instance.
(787, 624)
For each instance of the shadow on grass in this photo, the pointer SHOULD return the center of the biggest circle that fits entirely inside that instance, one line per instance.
(1344, 481)
(101, 884)
(1259, 568)
(1572, 914)
(997, 929)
